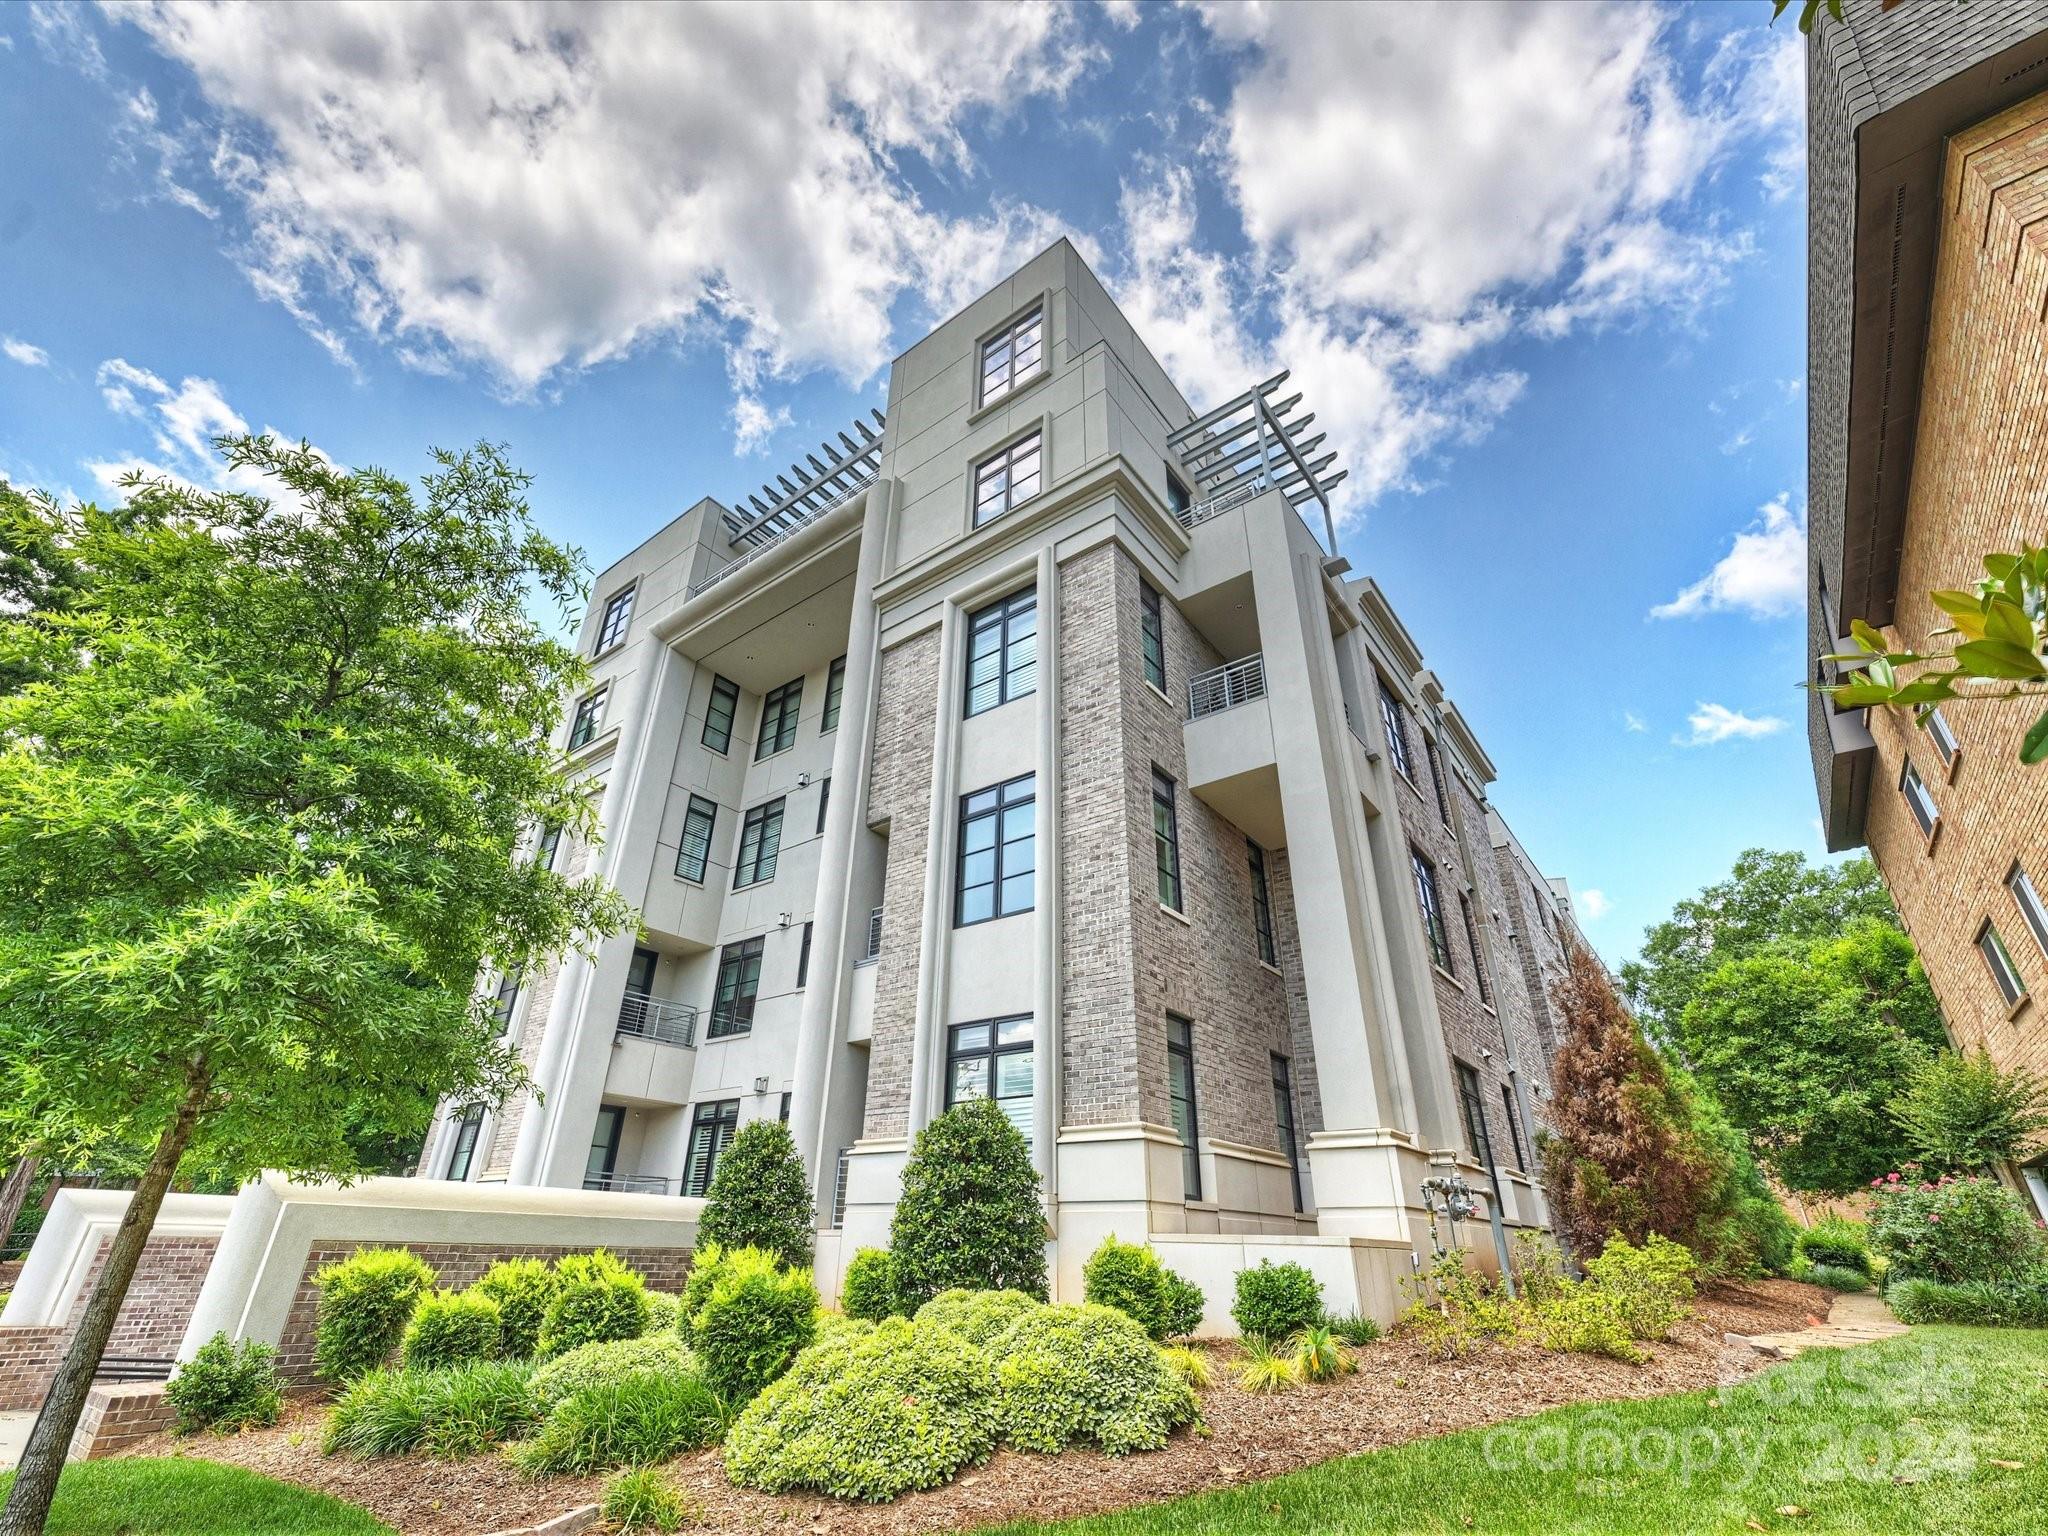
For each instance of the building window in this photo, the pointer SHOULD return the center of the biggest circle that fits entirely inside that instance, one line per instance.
(505, 1000)
(618, 614)
(589, 710)
(998, 852)
(1432, 910)
(1507, 1105)
(835, 690)
(1262, 903)
(1472, 1110)
(1436, 778)
(824, 802)
(711, 1128)
(602, 1161)
(1543, 917)
(1012, 358)
(1178, 501)
(991, 1059)
(1002, 651)
(1478, 955)
(2003, 971)
(547, 847)
(694, 856)
(803, 961)
(1151, 636)
(1180, 1091)
(1397, 733)
(739, 983)
(782, 1112)
(1166, 841)
(1006, 481)
(779, 709)
(718, 714)
(760, 841)
(1943, 738)
(1283, 1121)
(463, 1153)
(2021, 884)
(1925, 812)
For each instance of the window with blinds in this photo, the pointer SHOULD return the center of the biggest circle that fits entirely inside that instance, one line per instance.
(1002, 651)
(992, 1059)
(711, 1132)
(694, 856)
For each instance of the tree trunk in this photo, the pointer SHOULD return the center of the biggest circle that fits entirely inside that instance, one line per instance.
(14, 1192)
(35, 1484)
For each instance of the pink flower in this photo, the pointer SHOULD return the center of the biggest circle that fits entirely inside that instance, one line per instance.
(1891, 1178)
(1931, 1216)
(1875, 1183)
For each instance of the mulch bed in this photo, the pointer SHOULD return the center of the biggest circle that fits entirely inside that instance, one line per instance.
(1397, 1394)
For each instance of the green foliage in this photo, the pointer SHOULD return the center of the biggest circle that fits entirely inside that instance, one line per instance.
(757, 1316)
(706, 1260)
(632, 1422)
(870, 1289)
(1454, 1308)
(759, 1197)
(1652, 1285)
(1952, 1229)
(1129, 1277)
(1809, 12)
(590, 1365)
(1086, 1373)
(2017, 1303)
(1584, 1319)
(366, 1300)
(1190, 1365)
(664, 1311)
(1267, 1369)
(596, 1298)
(1318, 1357)
(969, 1213)
(450, 1413)
(522, 1288)
(1741, 1231)
(1838, 1242)
(1181, 1305)
(1629, 1293)
(977, 1316)
(1355, 1330)
(1836, 1278)
(869, 1413)
(645, 1500)
(226, 1386)
(450, 1328)
(1959, 1113)
(1277, 1301)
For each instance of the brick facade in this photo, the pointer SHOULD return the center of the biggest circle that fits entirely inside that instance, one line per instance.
(151, 1321)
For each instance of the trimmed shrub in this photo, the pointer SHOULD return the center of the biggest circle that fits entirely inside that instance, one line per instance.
(706, 1261)
(592, 1365)
(522, 1288)
(1839, 1242)
(450, 1328)
(759, 1197)
(758, 1315)
(225, 1386)
(969, 1214)
(1583, 1318)
(1127, 1276)
(837, 1328)
(1972, 1303)
(1182, 1305)
(1952, 1229)
(645, 1500)
(365, 1302)
(870, 1288)
(632, 1422)
(1836, 1278)
(664, 1312)
(1651, 1285)
(1277, 1301)
(451, 1413)
(977, 1316)
(1086, 1373)
(596, 1298)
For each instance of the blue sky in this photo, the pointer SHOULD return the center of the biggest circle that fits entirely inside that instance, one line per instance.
(1539, 268)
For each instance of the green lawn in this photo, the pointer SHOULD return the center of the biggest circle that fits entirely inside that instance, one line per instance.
(1902, 1436)
(173, 1496)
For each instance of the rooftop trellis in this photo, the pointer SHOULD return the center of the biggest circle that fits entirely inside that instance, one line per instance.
(809, 488)
(1248, 445)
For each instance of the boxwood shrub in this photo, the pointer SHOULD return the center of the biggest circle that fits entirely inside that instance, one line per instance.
(450, 1328)
(596, 1298)
(969, 1212)
(977, 1316)
(757, 1315)
(870, 1288)
(366, 1300)
(1838, 1242)
(1086, 1374)
(1129, 1277)
(1276, 1301)
(522, 1288)
(591, 1365)
(225, 1386)
(759, 1197)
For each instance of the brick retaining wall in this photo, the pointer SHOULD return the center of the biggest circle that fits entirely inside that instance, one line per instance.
(118, 1414)
(151, 1322)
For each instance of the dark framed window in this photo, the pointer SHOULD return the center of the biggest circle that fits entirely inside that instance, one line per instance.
(998, 858)
(803, 961)
(1472, 1110)
(1432, 909)
(835, 692)
(1007, 480)
(2021, 886)
(992, 1059)
(1283, 1121)
(1014, 357)
(1943, 738)
(1514, 1119)
(782, 1111)
(1436, 777)
(719, 713)
(711, 1130)
(1262, 903)
(824, 801)
(505, 1000)
(1999, 959)
(1180, 1093)
(618, 616)
(548, 845)
(693, 857)
(1166, 841)
(602, 1161)
(1151, 636)
(739, 984)
(779, 709)
(760, 842)
(1919, 798)
(463, 1153)
(1478, 955)
(1178, 501)
(1002, 651)
(1396, 721)
(589, 711)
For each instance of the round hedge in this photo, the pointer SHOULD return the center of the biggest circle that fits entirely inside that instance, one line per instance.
(977, 1316)
(596, 1298)
(450, 1328)
(1086, 1373)
(522, 1288)
(757, 1316)
(366, 1300)
(870, 1288)
(591, 1365)
(1277, 1301)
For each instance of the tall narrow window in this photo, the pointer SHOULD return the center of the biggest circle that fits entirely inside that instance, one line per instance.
(618, 616)
(463, 1153)
(998, 852)
(506, 1000)
(739, 983)
(1002, 651)
(1166, 841)
(1914, 788)
(2021, 884)
(1151, 636)
(1262, 903)
(1007, 480)
(589, 711)
(1178, 502)
(1283, 1121)
(779, 707)
(547, 847)
(1014, 357)
(1180, 1091)
(824, 803)
(1514, 1119)
(1396, 722)
(1432, 910)
(760, 842)
(694, 856)
(1943, 738)
(1472, 1110)
(782, 1113)
(1436, 777)
(718, 714)
(991, 1059)
(835, 690)
(2003, 971)
(711, 1130)
(602, 1161)
(803, 961)
(1478, 955)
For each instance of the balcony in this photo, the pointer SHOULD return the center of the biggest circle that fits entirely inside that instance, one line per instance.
(627, 1183)
(800, 519)
(642, 1017)
(1232, 765)
(873, 950)
(1226, 687)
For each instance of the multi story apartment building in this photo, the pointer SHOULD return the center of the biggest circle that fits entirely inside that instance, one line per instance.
(1928, 448)
(1031, 740)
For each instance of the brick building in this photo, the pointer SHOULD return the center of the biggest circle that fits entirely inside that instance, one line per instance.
(1928, 141)
(1031, 739)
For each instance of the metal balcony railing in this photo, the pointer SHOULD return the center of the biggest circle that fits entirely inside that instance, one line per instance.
(642, 1017)
(839, 1187)
(809, 515)
(1216, 506)
(1226, 687)
(873, 950)
(627, 1183)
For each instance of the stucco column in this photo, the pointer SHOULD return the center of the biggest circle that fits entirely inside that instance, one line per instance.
(1048, 1048)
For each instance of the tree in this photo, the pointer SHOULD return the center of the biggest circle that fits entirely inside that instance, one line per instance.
(760, 1197)
(257, 824)
(969, 1213)
(1959, 1113)
(1802, 1042)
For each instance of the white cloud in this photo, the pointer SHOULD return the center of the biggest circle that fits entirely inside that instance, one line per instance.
(1122, 14)
(1593, 902)
(1633, 722)
(1763, 573)
(753, 424)
(1713, 723)
(182, 420)
(24, 353)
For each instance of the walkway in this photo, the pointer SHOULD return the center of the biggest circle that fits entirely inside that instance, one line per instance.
(1851, 1320)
